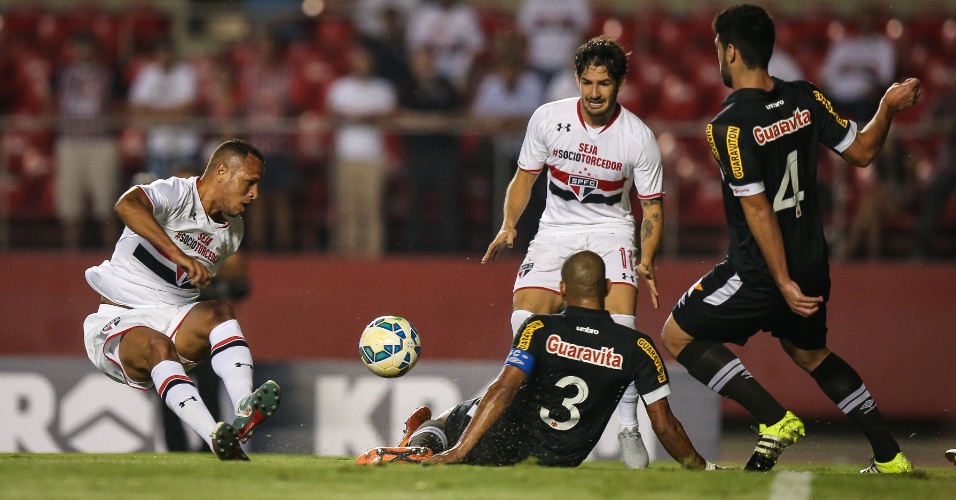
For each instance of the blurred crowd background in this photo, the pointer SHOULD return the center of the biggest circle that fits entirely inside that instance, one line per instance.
(393, 126)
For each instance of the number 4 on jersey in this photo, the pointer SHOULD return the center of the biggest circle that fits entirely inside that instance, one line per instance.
(790, 178)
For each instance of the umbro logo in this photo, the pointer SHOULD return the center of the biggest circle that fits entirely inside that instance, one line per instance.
(182, 404)
(564, 126)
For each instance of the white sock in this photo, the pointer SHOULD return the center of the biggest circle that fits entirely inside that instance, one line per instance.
(627, 408)
(180, 395)
(517, 318)
(231, 359)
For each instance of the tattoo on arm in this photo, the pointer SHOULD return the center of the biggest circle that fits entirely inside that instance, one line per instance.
(645, 204)
(652, 217)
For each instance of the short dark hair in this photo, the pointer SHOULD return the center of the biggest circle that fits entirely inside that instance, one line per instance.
(583, 274)
(602, 51)
(234, 147)
(750, 29)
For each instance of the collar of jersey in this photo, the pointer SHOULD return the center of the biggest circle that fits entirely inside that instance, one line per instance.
(617, 112)
(219, 225)
(751, 94)
(586, 312)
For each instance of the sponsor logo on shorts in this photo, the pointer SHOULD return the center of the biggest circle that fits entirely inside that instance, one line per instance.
(581, 186)
(843, 122)
(733, 152)
(525, 269)
(525, 340)
(109, 326)
(592, 331)
(656, 358)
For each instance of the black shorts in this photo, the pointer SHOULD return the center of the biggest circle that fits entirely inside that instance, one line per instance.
(499, 446)
(720, 307)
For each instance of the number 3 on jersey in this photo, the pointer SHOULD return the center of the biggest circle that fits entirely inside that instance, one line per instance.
(790, 178)
(569, 403)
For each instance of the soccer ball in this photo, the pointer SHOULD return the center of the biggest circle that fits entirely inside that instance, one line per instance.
(390, 346)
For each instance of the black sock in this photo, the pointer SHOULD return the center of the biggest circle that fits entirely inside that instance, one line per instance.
(431, 434)
(843, 386)
(716, 366)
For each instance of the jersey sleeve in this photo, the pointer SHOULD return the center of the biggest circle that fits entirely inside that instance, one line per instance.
(534, 150)
(165, 195)
(526, 346)
(652, 380)
(649, 169)
(836, 133)
(735, 153)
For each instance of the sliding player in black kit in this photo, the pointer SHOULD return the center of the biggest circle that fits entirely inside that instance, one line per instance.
(557, 391)
(776, 277)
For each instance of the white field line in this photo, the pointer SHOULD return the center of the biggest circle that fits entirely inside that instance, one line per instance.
(789, 485)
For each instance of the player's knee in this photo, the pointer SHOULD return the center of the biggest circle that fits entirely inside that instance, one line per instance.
(672, 339)
(216, 312)
(808, 360)
(160, 348)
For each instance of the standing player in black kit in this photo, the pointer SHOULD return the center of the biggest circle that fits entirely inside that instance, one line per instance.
(776, 277)
(559, 387)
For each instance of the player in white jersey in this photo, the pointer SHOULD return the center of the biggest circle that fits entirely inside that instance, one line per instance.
(150, 326)
(595, 153)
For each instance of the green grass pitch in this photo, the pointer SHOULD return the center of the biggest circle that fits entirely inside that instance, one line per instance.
(198, 476)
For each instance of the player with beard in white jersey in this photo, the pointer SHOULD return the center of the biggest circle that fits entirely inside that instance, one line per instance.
(595, 153)
(150, 326)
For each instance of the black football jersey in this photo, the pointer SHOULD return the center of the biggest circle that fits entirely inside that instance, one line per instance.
(768, 142)
(579, 363)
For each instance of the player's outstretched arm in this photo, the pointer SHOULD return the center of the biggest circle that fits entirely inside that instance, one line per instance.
(672, 436)
(516, 200)
(136, 212)
(869, 141)
(652, 229)
(493, 405)
(763, 225)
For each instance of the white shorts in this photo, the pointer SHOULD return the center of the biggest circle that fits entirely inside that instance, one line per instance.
(104, 329)
(541, 267)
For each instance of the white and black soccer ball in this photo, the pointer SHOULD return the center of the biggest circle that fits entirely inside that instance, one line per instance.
(390, 346)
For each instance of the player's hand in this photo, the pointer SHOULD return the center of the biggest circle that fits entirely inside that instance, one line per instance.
(506, 237)
(798, 302)
(648, 273)
(902, 96)
(447, 457)
(196, 273)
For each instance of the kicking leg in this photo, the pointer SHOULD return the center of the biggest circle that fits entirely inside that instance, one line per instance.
(150, 356)
(843, 385)
(716, 366)
(210, 329)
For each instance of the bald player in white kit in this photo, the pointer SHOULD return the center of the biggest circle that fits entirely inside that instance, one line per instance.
(595, 152)
(150, 327)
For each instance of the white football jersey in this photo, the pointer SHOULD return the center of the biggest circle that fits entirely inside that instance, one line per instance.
(139, 275)
(591, 170)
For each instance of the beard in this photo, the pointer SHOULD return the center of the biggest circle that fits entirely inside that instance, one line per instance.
(608, 106)
(725, 75)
